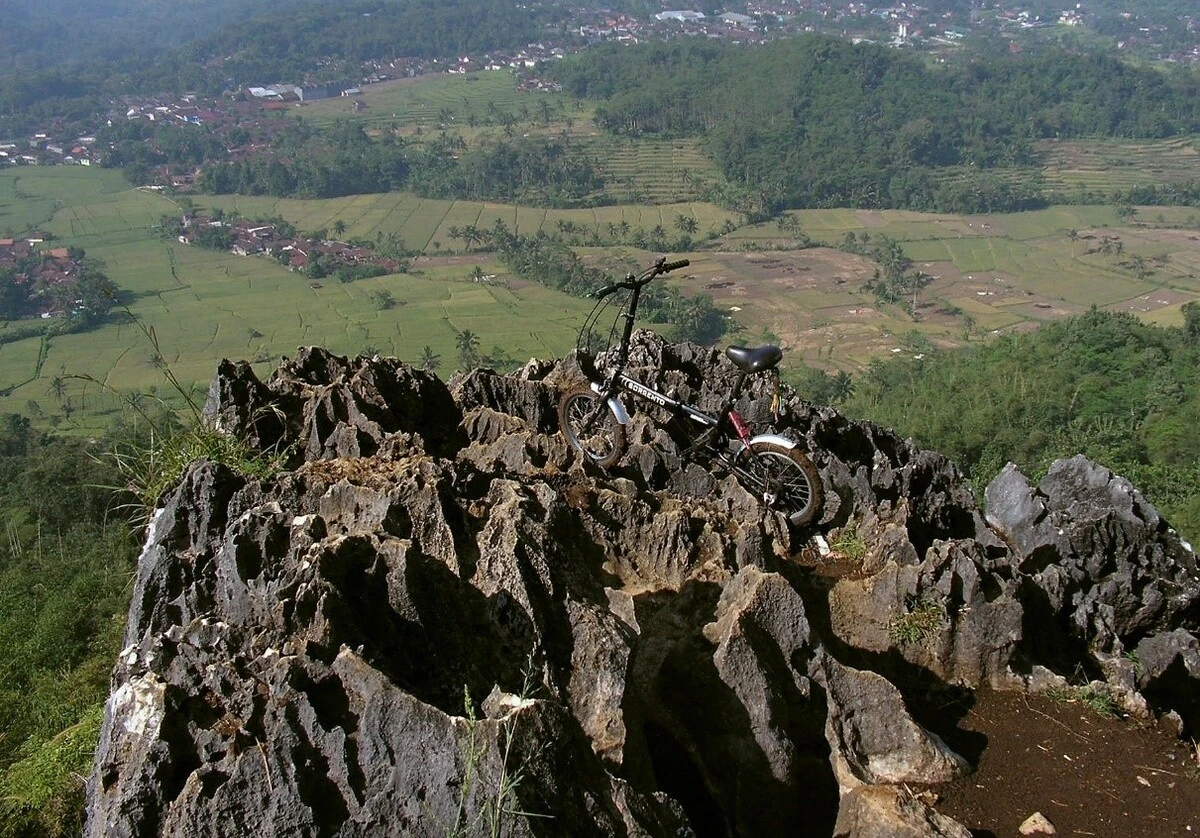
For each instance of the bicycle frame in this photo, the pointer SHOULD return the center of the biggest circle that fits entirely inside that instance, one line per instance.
(713, 424)
(617, 380)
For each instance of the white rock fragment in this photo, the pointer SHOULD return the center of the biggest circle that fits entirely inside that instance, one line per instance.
(1037, 824)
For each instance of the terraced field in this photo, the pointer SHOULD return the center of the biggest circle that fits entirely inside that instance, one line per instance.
(489, 105)
(990, 274)
(425, 224)
(652, 171)
(1105, 165)
(441, 102)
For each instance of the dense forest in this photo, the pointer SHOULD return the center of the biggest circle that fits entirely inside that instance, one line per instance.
(39, 34)
(819, 122)
(305, 163)
(1125, 393)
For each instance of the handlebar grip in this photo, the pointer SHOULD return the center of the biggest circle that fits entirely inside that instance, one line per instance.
(670, 266)
(604, 292)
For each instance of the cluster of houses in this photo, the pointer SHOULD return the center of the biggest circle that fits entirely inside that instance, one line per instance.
(762, 19)
(44, 150)
(187, 110)
(255, 238)
(47, 276)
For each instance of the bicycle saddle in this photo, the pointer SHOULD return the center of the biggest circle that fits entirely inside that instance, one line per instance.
(754, 360)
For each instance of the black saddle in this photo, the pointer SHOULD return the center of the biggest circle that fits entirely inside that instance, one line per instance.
(758, 359)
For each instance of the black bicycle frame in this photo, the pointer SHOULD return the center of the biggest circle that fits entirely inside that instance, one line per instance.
(620, 380)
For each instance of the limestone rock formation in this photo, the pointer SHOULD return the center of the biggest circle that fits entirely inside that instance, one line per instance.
(438, 620)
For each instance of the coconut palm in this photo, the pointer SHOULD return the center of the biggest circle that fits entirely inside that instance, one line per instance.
(429, 360)
(468, 348)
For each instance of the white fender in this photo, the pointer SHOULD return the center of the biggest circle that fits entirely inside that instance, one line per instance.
(614, 404)
(774, 439)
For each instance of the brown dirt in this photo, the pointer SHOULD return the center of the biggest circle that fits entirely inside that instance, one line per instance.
(1087, 773)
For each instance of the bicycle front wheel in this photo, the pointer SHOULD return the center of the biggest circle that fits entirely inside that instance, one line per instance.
(590, 427)
(788, 482)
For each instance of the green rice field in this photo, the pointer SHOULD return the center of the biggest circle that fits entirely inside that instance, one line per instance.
(204, 306)
(990, 274)
(425, 223)
(442, 101)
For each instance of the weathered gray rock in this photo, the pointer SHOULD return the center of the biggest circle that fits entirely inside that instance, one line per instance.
(890, 812)
(764, 654)
(1167, 671)
(1101, 573)
(323, 406)
(950, 614)
(282, 660)
(872, 737)
(440, 595)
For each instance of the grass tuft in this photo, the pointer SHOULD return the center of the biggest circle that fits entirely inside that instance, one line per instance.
(150, 468)
(850, 544)
(150, 471)
(1096, 700)
(921, 621)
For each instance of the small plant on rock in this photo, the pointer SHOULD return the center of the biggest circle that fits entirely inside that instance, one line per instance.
(921, 621)
(850, 544)
(502, 804)
(153, 462)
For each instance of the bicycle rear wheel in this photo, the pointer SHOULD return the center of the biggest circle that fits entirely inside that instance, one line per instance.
(788, 481)
(590, 426)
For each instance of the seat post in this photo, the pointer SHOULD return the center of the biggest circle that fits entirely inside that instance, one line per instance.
(737, 387)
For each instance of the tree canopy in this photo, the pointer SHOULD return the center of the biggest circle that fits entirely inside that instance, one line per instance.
(815, 121)
(1125, 393)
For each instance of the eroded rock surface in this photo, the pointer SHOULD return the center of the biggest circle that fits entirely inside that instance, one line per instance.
(438, 618)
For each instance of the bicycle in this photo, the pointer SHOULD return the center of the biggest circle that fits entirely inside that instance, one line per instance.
(593, 417)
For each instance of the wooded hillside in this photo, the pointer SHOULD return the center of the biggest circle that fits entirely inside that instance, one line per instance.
(819, 122)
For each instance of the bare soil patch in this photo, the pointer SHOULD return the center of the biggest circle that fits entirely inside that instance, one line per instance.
(1155, 300)
(755, 276)
(1089, 774)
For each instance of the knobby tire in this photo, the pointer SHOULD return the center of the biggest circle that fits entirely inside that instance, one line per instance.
(792, 473)
(590, 427)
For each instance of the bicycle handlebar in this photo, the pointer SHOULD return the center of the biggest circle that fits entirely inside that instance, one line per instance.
(661, 266)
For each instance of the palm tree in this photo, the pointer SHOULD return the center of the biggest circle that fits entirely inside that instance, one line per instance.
(841, 388)
(471, 234)
(429, 360)
(339, 227)
(468, 348)
(686, 224)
